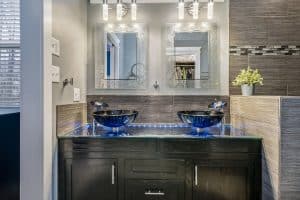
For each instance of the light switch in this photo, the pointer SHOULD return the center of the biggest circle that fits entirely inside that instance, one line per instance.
(55, 47)
(76, 94)
(55, 72)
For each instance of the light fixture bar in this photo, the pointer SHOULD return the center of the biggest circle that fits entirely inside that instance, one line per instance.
(181, 9)
(210, 9)
(133, 10)
(196, 9)
(119, 10)
(105, 10)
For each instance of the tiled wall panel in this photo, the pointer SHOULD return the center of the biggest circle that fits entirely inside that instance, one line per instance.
(70, 117)
(268, 33)
(156, 109)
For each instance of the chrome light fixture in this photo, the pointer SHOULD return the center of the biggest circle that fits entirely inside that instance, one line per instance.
(133, 10)
(181, 9)
(119, 10)
(210, 9)
(105, 10)
(196, 9)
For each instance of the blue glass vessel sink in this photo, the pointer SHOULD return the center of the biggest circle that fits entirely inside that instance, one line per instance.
(115, 118)
(201, 119)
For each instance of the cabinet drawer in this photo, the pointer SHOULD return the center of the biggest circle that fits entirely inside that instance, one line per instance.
(109, 145)
(155, 169)
(210, 146)
(154, 190)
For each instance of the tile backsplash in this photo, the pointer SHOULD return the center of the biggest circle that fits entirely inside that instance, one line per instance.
(70, 117)
(156, 109)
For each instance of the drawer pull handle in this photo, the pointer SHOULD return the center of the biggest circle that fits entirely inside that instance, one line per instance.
(196, 175)
(113, 174)
(154, 193)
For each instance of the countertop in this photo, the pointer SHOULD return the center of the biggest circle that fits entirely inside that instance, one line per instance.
(6, 111)
(158, 131)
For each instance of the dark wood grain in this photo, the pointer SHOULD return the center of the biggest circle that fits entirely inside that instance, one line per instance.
(231, 172)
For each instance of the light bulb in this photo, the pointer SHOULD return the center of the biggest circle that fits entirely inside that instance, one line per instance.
(195, 10)
(133, 11)
(105, 11)
(210, 9)
(181, 10)
(119, 11)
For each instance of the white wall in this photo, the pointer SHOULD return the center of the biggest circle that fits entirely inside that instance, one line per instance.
(69, 27)
(156, 16)
(36, 101)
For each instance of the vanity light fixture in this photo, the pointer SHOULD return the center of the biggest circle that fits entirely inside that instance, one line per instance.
(119, 10)
(105, 10)
(133, 10)
(210, 9)
(196, 9)
(181, 9)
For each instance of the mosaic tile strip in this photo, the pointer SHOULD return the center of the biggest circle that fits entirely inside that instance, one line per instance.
(272, 50)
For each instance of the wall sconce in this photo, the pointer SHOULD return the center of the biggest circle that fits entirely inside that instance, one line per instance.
(210, 9)
(133, 10)
(105, 10)
(181, 9)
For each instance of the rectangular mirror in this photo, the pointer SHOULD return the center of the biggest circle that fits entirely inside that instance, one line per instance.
(121, 57)
(191, 56)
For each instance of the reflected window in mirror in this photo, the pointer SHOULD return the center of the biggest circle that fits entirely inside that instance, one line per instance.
(121, 56)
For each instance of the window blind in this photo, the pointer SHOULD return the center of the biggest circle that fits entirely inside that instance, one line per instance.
(10, 66)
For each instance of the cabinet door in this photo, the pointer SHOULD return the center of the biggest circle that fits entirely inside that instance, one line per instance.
(154, 190)
(221, 181)
(94, 179)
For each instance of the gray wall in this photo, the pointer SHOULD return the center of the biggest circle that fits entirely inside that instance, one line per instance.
(69, 27)
(156, 16)
(267, 23)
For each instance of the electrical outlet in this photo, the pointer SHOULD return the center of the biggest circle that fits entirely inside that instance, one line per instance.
(55, 47)
(76, 95)
(55, 73)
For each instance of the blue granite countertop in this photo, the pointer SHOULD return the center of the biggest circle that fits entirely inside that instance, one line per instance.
(158, 131)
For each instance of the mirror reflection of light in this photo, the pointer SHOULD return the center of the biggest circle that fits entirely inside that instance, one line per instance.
(105, 10)
(181, 9)
(195, 9)
(210, 9)
(119, 10)
(133, 10)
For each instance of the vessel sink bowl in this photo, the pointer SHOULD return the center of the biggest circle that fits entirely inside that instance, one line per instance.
(201, 119)
(115, 118)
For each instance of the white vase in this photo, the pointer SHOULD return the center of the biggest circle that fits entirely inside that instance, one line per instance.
(247, 90)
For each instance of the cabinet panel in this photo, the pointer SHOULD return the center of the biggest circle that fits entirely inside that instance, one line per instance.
(154, 190)
(94, 179)
(155, 169)
(222, 181)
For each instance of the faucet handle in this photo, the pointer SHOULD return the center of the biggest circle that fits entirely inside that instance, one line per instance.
(217, 105)
(99, 105)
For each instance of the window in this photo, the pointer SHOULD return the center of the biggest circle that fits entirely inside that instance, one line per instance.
(10, 66)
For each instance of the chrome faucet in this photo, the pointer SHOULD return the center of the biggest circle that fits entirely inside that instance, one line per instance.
(217, 105)
(98, 106)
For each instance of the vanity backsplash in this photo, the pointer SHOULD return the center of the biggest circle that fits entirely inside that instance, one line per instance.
(155, 109)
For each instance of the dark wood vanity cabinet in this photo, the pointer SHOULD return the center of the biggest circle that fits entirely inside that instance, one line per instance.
(91, 178)
(159, 169)
(223, 180)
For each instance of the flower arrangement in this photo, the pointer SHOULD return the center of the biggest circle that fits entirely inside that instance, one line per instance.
(248, 77)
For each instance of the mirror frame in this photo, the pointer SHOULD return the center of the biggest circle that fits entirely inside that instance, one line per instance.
(100, 39)
(213, 81)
